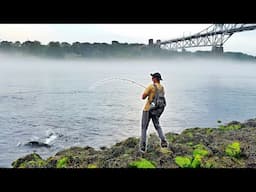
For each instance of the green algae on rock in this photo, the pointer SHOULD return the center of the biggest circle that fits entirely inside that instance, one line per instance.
(62, 163)
(141, 163)
(233, 149)
(183, 162)
(230, 146)
(30, 161)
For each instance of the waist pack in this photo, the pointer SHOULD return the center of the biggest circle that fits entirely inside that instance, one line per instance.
(158, 104)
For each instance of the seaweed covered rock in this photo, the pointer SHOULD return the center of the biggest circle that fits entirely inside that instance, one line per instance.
(232, 145)
(233, 149)
(141, 163)
(30, 161)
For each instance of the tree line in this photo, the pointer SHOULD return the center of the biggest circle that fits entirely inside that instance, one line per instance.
(77, 49)
(103, 50)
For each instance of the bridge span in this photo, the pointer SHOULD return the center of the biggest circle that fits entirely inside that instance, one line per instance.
(215, 36)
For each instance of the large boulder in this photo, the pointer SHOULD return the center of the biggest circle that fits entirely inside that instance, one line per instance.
(30, 161)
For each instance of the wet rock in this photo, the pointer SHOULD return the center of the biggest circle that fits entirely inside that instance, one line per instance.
(170, 137)
(77, 150)
(103, 148)
(166, 162)
(51, 162)
(250, 123)
(37, 144)
(233, 123)
(29, 161)
(205, 147)
(121, 161)
(130, 142)
(251, 162)
(116, 151)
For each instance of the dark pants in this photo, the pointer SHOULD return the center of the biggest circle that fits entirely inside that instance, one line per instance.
(146, 116)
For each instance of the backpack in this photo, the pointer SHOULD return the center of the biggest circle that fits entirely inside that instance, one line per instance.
(158, 104)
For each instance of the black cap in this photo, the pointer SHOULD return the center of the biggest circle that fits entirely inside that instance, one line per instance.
(157, 75)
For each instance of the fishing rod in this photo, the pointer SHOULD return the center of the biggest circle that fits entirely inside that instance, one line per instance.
(134, 82)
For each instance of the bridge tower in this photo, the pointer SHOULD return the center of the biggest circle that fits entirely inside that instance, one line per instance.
(150, 42)
(217, 49)
(158, 43)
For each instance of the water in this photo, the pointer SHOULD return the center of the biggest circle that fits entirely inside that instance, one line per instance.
(78, 103)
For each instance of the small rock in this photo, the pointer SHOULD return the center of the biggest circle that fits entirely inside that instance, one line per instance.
(233, 123)
(250, 123)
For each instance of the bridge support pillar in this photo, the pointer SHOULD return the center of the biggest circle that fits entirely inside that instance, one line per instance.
(150, 42)
(217, 50)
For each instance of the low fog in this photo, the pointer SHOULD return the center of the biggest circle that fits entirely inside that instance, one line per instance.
(13, 65)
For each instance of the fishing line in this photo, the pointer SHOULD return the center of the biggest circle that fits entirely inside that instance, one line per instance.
(98, 83)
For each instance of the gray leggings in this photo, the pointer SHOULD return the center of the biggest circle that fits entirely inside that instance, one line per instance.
(146, 116)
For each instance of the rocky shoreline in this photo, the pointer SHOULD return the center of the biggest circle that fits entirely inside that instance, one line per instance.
(232, 145)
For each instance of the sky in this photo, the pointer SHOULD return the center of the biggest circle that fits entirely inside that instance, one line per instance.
(124, 33)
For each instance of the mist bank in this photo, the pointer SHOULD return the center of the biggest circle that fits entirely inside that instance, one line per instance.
(116, 50)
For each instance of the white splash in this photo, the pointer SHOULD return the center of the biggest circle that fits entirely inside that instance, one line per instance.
(51, 136)
(50, 139)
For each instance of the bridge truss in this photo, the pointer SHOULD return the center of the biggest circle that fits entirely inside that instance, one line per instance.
(215, 35)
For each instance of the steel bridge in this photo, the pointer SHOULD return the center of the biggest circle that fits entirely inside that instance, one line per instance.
(215, 36)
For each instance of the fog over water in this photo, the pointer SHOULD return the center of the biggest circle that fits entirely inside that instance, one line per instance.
(83, 102)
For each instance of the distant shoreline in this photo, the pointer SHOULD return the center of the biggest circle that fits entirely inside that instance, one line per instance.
(107, 51)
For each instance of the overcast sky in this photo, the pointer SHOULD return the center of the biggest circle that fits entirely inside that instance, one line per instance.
(130, 33)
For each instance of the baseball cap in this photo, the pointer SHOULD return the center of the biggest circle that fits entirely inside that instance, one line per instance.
(158, 75)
